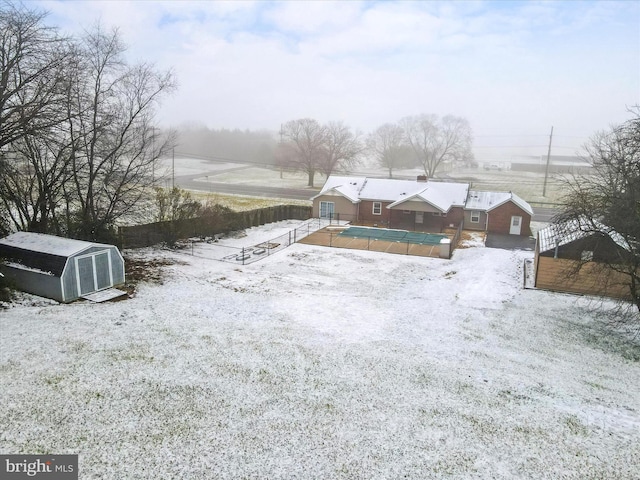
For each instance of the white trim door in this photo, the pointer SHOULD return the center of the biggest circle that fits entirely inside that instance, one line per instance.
(516, 225)
(327, 210)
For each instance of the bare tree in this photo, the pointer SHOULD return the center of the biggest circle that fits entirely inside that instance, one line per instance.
(32, 57)
(305, 141)
(342, 149)
(387, 144)
(606, 203)
(32, 188)
(111, 127)
(34, 63)
(436, 141)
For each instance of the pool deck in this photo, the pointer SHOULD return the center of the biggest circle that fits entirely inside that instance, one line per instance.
(329, 237)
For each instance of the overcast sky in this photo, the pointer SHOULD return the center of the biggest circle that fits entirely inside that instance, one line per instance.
(513, 69)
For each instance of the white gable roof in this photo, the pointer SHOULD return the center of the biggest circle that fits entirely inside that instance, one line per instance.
(348, 187)
(50, 244)
(487, 201)
(442, 195)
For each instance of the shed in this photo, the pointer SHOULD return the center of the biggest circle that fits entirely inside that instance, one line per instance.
(59, 268)
(570, 259)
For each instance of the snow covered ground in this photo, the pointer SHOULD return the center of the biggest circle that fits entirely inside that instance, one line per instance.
(324, 363)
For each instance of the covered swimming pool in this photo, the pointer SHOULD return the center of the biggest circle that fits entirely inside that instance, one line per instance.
(390, 235)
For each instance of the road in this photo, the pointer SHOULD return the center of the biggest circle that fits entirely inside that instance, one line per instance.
(544, 214)
(189, 182)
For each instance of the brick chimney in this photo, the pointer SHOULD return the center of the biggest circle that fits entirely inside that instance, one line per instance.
(422, 178)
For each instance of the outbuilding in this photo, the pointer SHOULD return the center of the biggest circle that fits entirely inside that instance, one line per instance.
(59, 268)
(570, 259)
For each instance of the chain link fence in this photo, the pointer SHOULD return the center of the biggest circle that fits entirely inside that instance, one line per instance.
(217, 249)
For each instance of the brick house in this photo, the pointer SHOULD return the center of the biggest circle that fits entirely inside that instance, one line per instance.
(421, 205)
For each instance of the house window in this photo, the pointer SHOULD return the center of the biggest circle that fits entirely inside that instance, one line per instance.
(586, 255)
(438, 214)
(475, 217)
(377, 208)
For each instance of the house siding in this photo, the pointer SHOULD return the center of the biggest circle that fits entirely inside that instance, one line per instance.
(343, 206)
(366, 216)
(480, 225)
(500, 219)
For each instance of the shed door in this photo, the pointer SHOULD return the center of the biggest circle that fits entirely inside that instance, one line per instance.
(516, 225)
(103, 272)
(86, 282)
(94, 272)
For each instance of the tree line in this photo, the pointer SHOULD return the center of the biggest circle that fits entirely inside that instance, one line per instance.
(424, 140)
(78, 138)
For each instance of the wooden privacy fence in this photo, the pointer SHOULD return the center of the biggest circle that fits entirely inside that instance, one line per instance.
(224, 221)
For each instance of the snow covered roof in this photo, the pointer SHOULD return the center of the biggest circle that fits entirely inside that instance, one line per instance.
(559, 234)
(487, 201)
(442, 195)
(48, 244)
(348, 187)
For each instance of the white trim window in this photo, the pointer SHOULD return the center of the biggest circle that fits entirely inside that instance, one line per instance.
(475, 217)
(377, 208)
(327, 209)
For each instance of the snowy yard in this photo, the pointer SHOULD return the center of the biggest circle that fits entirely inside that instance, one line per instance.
(324, 363)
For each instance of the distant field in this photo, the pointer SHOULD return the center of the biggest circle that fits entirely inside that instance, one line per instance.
(241, 203)
(528, 185)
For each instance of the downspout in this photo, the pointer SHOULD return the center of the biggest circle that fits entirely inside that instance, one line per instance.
(537, 258)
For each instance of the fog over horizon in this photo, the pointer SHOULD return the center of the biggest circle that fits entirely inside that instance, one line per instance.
(513, 69)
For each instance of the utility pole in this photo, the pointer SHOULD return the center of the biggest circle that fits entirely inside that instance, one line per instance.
(173, 168)
(546, 170)
(280, 145)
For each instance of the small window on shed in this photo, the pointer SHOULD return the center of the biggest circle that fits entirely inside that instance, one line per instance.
(475, 217)
(586, 255)
(377, 208)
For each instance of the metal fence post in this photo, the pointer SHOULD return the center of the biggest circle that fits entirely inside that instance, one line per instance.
(242, 255)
